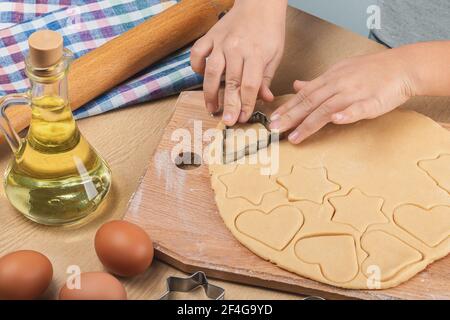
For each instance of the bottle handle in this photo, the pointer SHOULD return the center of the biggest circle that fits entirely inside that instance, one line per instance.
(6, 127)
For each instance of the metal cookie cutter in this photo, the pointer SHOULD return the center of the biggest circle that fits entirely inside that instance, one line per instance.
(198, 279)
(313, 298)
(257, 117)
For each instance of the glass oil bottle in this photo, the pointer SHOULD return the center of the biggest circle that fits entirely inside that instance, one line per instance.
(55, 177)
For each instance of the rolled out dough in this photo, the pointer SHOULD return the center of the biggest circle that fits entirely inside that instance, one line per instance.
(361, 206)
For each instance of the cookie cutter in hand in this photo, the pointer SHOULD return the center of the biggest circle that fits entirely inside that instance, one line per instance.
(256, 117)
(189, 284)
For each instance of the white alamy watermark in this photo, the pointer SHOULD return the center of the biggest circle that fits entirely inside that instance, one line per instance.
(196, 146)
(374, 18)
(73, 281)
(373, 273)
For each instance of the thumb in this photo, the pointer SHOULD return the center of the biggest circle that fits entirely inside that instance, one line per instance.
(357, 111)
(299, 85)
(264, 91)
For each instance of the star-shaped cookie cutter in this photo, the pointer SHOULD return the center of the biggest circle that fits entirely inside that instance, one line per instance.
(189, 284)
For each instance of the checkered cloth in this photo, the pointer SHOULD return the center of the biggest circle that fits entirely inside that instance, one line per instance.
(86, 25)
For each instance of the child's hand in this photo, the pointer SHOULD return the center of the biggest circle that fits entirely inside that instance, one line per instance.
(358, 88)
(247, 45)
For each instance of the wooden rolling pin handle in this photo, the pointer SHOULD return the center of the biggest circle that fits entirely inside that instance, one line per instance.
(119, 59)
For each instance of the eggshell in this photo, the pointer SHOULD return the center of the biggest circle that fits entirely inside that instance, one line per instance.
(24, 275)
(124, 248)
(95, 286)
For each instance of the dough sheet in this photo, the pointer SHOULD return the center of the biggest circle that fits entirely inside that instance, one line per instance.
(361, 206)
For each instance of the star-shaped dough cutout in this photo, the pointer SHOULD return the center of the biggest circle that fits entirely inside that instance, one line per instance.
(358, 210)
(307, 184)
(247, 182)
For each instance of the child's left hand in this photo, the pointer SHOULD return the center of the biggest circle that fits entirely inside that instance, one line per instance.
(358, 88)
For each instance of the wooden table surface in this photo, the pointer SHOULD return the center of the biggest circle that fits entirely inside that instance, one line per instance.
(128, 137)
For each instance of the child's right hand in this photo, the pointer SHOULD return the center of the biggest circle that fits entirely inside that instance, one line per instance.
(248, 42)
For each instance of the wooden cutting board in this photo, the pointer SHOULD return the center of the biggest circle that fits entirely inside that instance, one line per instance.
(176, 207)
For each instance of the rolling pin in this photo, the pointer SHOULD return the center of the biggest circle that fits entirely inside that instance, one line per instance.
(119, 59)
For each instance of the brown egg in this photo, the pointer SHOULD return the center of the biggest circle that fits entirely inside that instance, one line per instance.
(124, 248)
(95, 286)
(24, 275)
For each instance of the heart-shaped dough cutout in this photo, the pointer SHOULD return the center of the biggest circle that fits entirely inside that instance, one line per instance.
(275, 229)
(386, 253)
(335, 254)
(429, 226)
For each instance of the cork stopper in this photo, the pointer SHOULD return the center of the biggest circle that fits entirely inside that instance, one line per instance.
(46, 48)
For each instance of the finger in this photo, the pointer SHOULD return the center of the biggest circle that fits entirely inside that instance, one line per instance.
(318, 118)
(299, 85)
(251, 82)
(302, 97)
(304, 107)
(215, 67)
(355, 112)
(264, 92)
(199, 52)
(233, 79)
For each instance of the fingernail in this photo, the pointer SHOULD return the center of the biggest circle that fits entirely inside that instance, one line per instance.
(274, 117)
(227, 116)
(275, 125)
(293, 136)
(338, 117)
